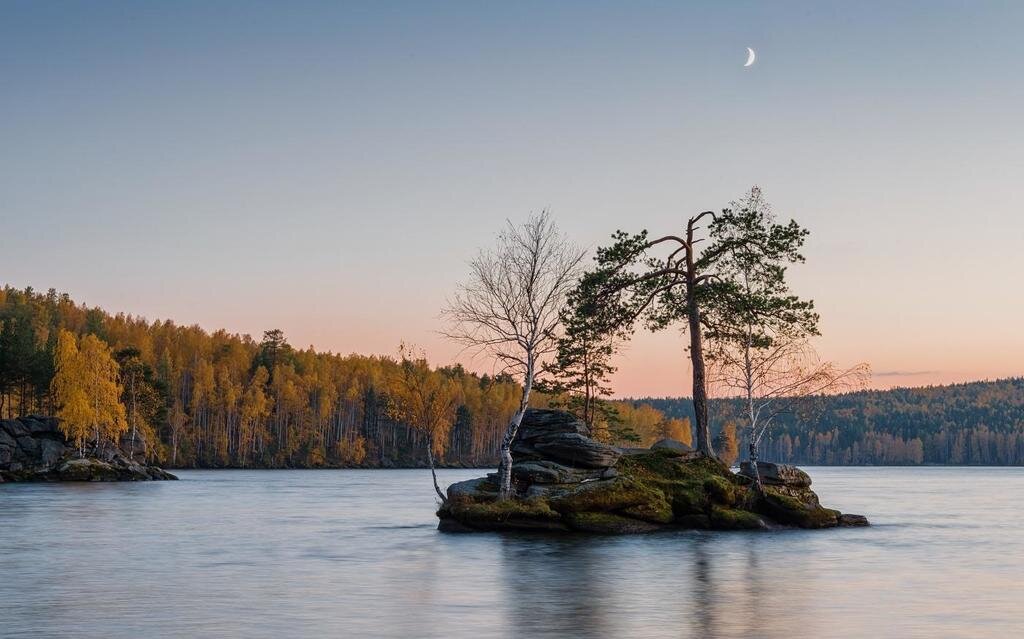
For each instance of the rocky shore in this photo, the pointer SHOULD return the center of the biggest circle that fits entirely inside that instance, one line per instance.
(566, 481)
(33, 449)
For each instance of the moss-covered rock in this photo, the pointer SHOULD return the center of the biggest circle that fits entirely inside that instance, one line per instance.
(647, 490)
(608, 495)
(510, 514)
(609, 524)
(723, 518)
(796, 507)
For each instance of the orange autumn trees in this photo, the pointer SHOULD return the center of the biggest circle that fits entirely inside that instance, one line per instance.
(228, 400)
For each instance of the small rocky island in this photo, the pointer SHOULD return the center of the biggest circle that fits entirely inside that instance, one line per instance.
(34, 449)
(566, 481)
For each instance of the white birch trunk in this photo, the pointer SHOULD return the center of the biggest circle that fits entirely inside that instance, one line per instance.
(505, 466)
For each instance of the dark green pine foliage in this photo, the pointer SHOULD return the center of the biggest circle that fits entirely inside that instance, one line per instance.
(578, 376)
(749, 301)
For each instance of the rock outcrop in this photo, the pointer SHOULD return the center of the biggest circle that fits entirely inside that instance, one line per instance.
(33, 449)
(777, 474)
(566, 481)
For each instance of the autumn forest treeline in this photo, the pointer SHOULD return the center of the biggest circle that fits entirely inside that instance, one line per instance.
(199, 399)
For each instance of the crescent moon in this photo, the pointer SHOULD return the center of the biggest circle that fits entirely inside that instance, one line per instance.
(751, 56)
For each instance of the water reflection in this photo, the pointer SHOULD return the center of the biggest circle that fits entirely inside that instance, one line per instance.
(355, 553)
(556, 586)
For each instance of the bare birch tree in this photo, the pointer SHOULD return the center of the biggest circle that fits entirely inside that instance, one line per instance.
(760, 331)
(510, 307)
(783, 377)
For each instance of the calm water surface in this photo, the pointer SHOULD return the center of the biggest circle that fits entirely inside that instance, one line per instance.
(356, 554)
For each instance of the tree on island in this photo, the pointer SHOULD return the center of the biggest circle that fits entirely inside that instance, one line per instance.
(85, 387)
(510, 308)
(631, 282)
(426, 400)
(577, 378)
(668, 280)
(758, 330)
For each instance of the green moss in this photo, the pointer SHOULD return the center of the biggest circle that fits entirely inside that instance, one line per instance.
(686, 497)
(733, 519)
(498, 511)
(608, 523)
(788, 509)
(604, 496)
(720, 490)
(658, 511)
(663, 465)
(652, 490)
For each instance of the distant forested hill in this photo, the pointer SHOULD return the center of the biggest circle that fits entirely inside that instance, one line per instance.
(978, 423)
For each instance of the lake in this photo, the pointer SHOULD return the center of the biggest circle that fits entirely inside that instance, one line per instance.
(353, 553)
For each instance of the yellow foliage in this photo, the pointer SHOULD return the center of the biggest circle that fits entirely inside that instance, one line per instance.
(423, 398)
(679, 430)
(86, 389)
(352, 452)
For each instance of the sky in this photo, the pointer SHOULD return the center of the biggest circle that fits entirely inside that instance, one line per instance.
(329, 168)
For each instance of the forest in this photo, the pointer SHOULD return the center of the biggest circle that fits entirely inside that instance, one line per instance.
(976, 423)
(199, 399)
(191, 398)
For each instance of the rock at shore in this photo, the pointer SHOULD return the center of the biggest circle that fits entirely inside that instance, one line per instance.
(33, 449)
(777, 474)
(565, 481)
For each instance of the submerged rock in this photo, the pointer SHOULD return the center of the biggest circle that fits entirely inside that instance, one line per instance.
(566, 481)
(33, 449)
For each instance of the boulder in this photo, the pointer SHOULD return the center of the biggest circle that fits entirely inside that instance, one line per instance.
(851, 520)
(541, 422)
(777, 474)
(479, 488)
(577, 450)
(86, 470)
(34, 449)
(50, 452)
(541, 425)
(558, 436)
(671, 444)
(7, 447)
(542, 471)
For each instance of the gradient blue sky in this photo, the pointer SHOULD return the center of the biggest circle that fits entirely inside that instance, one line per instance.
(329, 168)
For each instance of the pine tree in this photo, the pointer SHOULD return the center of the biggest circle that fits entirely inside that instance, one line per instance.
(577, 377)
